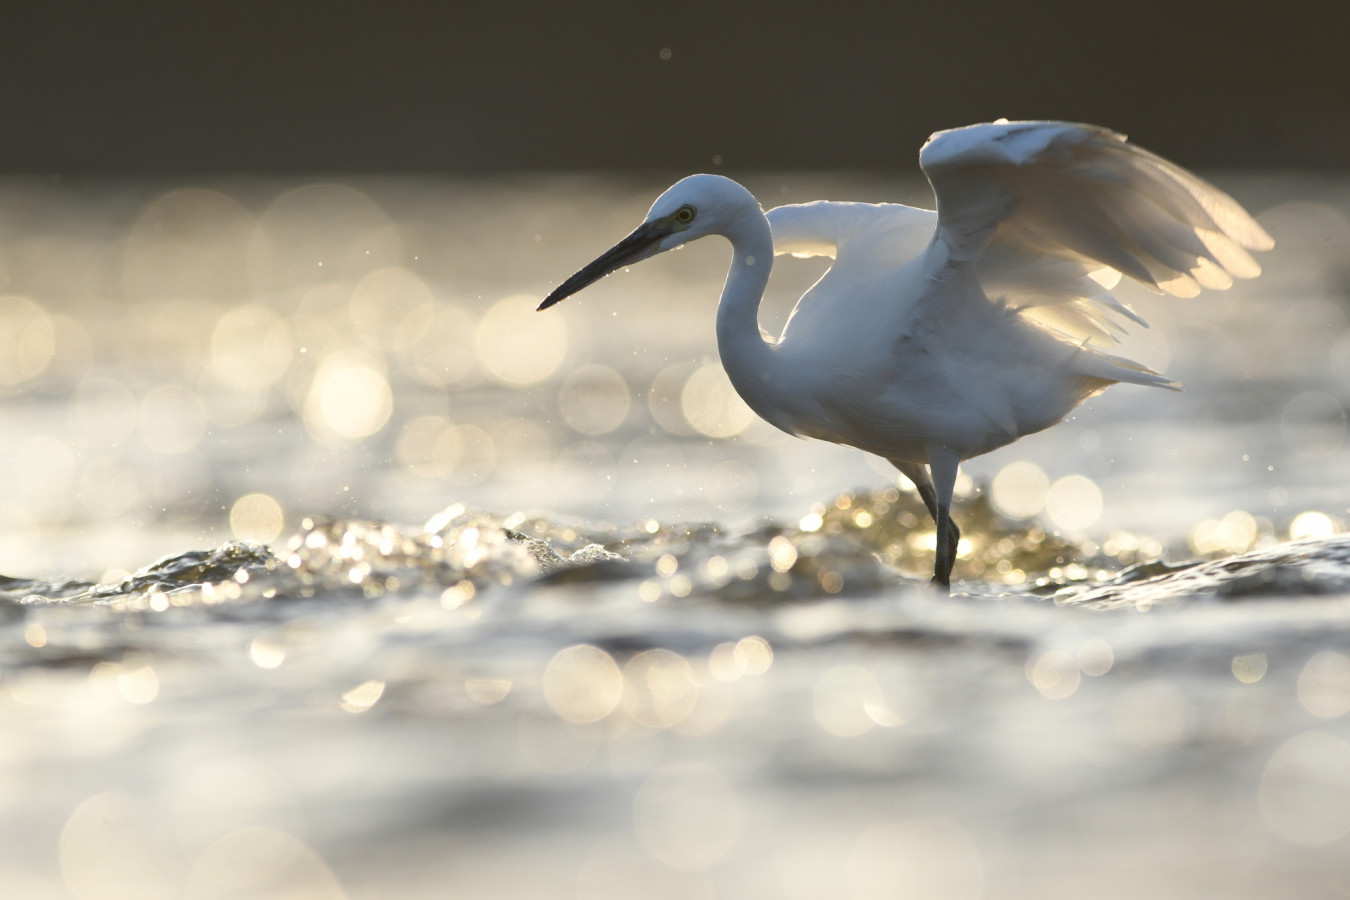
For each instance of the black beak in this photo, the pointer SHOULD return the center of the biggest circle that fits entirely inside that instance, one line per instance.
(634, 248)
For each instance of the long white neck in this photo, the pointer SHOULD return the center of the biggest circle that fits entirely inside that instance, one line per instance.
(752, 363)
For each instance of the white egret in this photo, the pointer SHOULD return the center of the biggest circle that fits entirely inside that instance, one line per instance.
(937, 336)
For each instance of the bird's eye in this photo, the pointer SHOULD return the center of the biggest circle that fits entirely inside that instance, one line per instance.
(684, 214)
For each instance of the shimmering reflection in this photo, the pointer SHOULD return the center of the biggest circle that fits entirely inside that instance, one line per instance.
(1305, 789)
(687, 815)
(583, 684)
(930, 858)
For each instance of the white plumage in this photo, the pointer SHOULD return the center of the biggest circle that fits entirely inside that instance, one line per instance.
(938, 336)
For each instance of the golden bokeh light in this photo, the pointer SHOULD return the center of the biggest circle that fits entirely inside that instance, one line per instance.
(487, 691)
(138, 684)
(753, 655)
(1235, 532)
(266, 653)
(1324, 685)
(711, 405)
(1019, 490)
(363, 696)
(583, 684)
(433, 447)
(1249, 668)
(663, 398)
(251, 347)
(1074, 503)
(1095, 657)
(1055, 674)
(660, 688)
(1312, 524)
(519, 347)
(256, 517)
(350, 399)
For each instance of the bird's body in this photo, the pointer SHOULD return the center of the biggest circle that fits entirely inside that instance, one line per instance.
(939, 336)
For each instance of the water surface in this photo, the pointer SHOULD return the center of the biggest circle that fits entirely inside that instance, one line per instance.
(454, 599)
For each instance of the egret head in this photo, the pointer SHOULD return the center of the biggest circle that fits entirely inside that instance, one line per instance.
(692, 208)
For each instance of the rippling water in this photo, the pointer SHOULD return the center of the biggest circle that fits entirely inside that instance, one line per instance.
(454, 599)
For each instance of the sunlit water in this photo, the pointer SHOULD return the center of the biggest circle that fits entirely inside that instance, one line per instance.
(454, 599)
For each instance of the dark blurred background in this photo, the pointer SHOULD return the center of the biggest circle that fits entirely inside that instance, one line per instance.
(277, 87)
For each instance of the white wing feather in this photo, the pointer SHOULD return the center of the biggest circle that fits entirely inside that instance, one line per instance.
(1051, 213)
(880, 234)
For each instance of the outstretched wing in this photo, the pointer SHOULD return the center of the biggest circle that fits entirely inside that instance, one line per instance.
(880, 234)
(1051, 214)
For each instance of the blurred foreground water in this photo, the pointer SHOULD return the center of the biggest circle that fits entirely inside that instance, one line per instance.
(454, 599)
